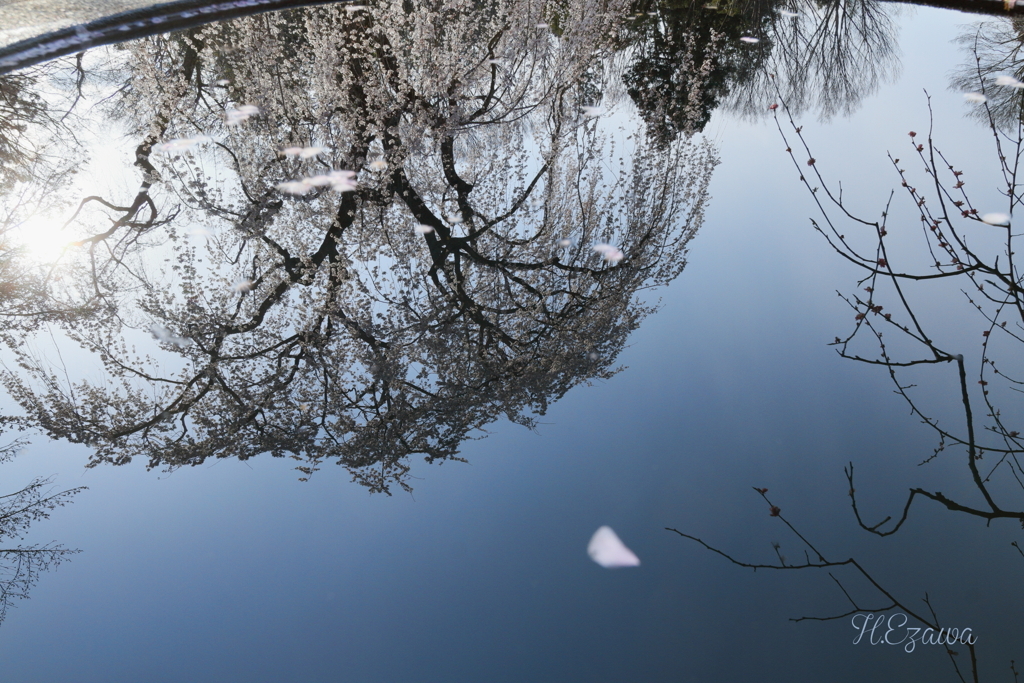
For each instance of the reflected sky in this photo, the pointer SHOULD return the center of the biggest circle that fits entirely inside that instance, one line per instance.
(236, 571)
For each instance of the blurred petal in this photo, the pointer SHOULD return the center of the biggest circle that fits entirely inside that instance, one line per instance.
(996, 219)
(608, 551)
(1009, 81)
(295, 187)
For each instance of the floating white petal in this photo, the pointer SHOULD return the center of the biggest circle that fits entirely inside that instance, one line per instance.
(243, 285)
(749, 39)
(996, 219)
(423, 229)
(1009, 81)
(975, 97)
(295, 187)
(593, 111)
(609, 253)
(318, 180)
(565, 243)
(787, 13)
(343, 181)
(302, 152)
(239, 114)
(377, 165)
(165, 335)
(608, 551)
(180, 144)
(339, 181)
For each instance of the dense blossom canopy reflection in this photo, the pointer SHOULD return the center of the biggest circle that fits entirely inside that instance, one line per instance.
(364, 233)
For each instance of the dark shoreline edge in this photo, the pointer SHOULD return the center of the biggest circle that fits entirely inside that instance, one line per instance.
(138, 23)
(182, 14)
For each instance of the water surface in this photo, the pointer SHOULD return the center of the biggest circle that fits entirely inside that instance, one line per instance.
(331, 331)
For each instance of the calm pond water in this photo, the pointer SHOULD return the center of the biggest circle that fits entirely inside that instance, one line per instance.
(358, 322)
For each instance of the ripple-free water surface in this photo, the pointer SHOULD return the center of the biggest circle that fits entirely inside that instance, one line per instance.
(236, 571)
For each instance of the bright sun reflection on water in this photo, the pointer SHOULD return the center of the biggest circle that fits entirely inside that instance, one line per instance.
(40, 239)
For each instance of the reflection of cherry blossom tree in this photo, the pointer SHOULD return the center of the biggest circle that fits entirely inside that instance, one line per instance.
(456, 282)
(20, 566)
(19, 105)
(38, 158)
(33, 114)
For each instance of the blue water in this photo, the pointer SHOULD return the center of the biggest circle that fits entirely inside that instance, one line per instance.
(237, 572)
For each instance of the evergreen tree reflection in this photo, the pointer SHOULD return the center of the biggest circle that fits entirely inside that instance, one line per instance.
(689, 58)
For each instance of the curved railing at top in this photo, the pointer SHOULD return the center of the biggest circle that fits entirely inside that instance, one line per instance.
(136, 23)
